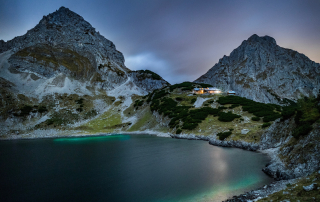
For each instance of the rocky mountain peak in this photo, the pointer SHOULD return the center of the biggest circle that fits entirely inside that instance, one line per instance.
(65, 17)
(256, 40)
(261, 70)
(63, 51)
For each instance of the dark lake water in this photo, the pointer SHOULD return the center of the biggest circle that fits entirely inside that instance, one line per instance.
(125, 168)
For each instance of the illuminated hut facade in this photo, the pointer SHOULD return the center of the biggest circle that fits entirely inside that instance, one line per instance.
(231, 92)
(206, 90)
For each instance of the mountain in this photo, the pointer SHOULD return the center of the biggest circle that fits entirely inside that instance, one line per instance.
(64, 70)
(261, 70)
(64, 50)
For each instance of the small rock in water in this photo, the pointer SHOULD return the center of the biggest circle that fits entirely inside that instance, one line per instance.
(309, 187)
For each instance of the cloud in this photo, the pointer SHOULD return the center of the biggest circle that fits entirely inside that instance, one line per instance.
(145, 61)
(151, 62)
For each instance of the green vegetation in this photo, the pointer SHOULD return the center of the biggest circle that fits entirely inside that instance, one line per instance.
(184, 86)
(234, 106)
(25, 110)
(146, 73)
(62, 118)
(287, 112)
(255, 118)
(307, 114)
(42, 109)
(184, 116)
(264, 125)
(179, 99)
(295, 192)
(267, 111)
(138, 103)
(193, 100)
(54, 57)
(224, 135)
(106, 122)
(189, 86)
(227, 117)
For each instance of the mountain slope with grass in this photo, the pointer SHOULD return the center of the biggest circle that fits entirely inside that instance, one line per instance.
(261, 70)
(62, 72)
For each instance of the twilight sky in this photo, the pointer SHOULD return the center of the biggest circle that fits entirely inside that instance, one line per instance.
(179, 39)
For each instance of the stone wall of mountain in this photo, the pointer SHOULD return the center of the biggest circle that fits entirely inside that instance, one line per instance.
(261, 70)
(64, 47)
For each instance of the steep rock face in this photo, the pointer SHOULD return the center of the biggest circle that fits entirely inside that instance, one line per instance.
(261, 70)
(64, 47)
(147, 81)
(63, 42)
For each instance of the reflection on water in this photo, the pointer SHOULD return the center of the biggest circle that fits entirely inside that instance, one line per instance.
(92, 139)
(125, 168)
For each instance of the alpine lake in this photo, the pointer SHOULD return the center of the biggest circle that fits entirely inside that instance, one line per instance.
(123, 167)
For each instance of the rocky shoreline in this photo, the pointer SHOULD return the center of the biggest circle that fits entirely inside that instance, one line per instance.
(276, 171)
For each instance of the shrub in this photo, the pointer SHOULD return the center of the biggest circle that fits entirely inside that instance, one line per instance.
(25, 110)
(187, 88)
(234, 106)
(255, 118)
(266, 125)
(138, 103)
(179, 98)
(80, 101)
(193, 100)
(182, 85)
(288, 112)
(160, 94)
(298, 117)
(42, 109)
(224, 135)
(204, 85)
(178, 131)
(302, 131)
(153, 75)
(189, 126)
(227, 117)
(90, 114)
(271, 117)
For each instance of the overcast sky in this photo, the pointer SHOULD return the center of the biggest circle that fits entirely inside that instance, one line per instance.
(179, 39)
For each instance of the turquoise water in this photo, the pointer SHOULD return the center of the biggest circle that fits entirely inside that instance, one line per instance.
(126, 168)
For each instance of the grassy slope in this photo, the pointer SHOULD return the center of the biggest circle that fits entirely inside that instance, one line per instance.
(209, 126)
(296, 192)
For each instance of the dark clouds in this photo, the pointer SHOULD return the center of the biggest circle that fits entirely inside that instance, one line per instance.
(178, 39)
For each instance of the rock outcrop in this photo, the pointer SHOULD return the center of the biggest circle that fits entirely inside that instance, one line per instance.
(261, 70)
(63, 44)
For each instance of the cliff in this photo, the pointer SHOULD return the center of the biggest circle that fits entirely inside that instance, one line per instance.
(261, 70)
